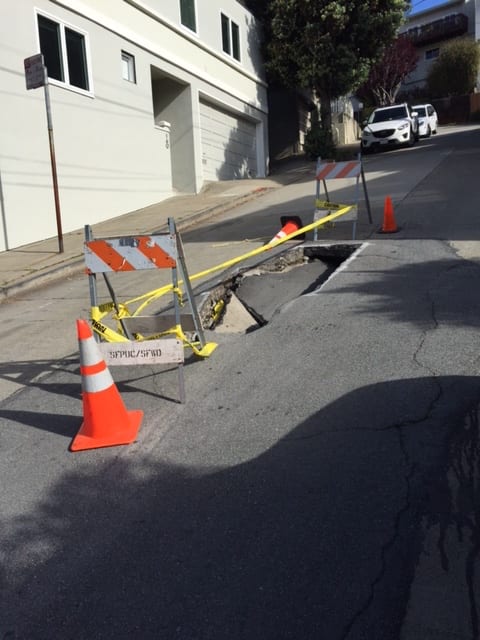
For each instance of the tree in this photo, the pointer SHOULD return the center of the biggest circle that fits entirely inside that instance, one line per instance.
(259, 8)
(386, 76)
(454, 73)
(328, 46)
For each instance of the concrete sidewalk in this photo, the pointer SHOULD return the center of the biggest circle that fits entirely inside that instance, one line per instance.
(35, 264)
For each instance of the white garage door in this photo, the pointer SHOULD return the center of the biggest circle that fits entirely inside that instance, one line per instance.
(228, 144)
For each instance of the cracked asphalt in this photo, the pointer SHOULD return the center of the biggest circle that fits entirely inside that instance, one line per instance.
(321, 481)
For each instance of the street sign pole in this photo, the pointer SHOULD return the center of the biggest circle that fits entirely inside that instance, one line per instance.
(36, 76)
(53, 162)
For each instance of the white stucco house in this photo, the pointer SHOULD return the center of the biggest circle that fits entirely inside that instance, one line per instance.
(149, 98)
(431, 29)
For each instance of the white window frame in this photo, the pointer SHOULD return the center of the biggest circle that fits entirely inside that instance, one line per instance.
(195, 16)
(230, 31)
(128, 67)
(63, 51)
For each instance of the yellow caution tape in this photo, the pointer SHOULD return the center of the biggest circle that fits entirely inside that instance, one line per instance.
(108, 334)
(324, 204)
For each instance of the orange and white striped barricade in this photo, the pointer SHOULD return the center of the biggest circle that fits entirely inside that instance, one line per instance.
(331, 170)
(156, 339)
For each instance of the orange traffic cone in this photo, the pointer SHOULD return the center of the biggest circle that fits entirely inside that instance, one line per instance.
(289, 225)
(389, 224)
(106, 422)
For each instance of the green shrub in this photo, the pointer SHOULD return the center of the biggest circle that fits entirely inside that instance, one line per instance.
(475, 116)
(318, 142)
(454, 73)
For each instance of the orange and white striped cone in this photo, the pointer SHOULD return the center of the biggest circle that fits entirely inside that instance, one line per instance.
(106, 421)
(290, 224)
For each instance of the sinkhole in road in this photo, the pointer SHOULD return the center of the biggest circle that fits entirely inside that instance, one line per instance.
(248, 300)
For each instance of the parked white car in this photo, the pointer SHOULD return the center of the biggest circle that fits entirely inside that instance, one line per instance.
(427, 120)
(396, 125)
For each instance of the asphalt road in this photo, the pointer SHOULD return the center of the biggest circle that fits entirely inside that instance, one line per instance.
(321, 480)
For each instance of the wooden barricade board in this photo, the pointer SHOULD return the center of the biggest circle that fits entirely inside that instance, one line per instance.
(330, 170)
(162, 351)
(132, 347)
(130, 253)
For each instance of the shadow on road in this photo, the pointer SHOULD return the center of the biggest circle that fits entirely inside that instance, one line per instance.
(318, 537)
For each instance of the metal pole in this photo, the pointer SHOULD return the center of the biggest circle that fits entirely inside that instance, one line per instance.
(53, 163)
(364, 184)
(181, 377)
(92, 280)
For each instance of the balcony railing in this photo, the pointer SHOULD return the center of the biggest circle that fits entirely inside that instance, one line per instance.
(450, 26)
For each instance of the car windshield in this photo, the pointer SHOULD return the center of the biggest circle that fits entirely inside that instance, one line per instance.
(421, 111)
(395, 113)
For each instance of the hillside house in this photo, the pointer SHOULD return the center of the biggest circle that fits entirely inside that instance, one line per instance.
(431, 29)
(148, 99)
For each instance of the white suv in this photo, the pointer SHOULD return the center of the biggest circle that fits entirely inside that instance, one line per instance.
(427, 120)
(390, 126)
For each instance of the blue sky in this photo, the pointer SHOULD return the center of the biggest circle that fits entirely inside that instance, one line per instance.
(421, 5)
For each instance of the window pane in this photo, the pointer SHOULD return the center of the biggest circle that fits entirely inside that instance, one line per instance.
(49, 33)
(128, 67)
(187, 14)
(77, 61)
(226, 34)
(235, 41)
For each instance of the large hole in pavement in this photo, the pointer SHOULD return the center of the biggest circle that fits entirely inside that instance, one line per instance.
(249, 299)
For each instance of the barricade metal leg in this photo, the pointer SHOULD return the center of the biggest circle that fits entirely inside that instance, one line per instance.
(367, 201)
(92, 280)
(188, 287)
(354, 224)
(137, 252)
(176, 305)
(317, 197)
(331, 170)
(117, 308)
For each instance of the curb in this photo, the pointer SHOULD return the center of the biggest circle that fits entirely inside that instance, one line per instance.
(215, 210)
(74, 266)
(69, 268)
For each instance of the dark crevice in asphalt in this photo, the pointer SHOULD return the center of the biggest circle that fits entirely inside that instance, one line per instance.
(423, 477)
(409, 507)
(410, 510)
(383, 553)
(425, 333)
(465, 459)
